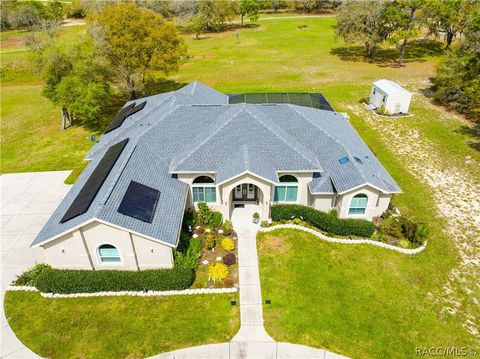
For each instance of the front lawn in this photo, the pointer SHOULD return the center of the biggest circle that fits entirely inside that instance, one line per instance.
(119, 327)
(356, 300)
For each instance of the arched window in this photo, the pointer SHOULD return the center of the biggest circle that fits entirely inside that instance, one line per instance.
(204, 189)
(286, 190)
(108, 254)
(358, 205)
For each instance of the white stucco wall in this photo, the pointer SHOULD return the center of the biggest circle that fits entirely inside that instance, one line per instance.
(323, 202)
(71, 251)
(303, 180)
(265, 194)
(391, 101)
(67, 252)
(377, 203)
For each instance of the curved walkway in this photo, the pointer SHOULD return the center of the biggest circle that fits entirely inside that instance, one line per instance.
(252, 341)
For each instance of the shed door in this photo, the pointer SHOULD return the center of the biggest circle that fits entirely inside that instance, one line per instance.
(398, 107)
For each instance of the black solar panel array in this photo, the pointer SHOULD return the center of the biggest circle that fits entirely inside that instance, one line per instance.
(119, 118)
(137, 108)
(139, 202)
(84, 198)
(123, 114)
(315, 100)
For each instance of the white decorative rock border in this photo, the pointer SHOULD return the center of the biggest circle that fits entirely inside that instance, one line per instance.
(150, 293)
(24, 288)
(345, 240)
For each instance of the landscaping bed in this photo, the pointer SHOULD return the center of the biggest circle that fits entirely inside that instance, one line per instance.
(391, 228)
(217, 265)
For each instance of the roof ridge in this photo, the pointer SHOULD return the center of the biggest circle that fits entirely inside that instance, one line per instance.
(349, 153)
(246, 159)
(281, 134)
(216, 130)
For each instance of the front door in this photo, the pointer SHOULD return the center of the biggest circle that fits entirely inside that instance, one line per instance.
(245, 192)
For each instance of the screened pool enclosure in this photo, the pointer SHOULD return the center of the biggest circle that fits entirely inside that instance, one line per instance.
(314, 100)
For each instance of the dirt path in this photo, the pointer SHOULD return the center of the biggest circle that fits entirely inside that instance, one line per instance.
(456, 192)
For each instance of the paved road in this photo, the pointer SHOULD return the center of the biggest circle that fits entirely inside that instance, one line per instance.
(27, 201)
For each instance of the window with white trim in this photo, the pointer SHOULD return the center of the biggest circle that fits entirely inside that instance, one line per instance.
(286, 190)
(108, 254)
(204, 190)
(358, 204)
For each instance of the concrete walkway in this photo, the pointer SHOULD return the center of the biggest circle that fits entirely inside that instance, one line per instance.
(27, 201)
(252, 341)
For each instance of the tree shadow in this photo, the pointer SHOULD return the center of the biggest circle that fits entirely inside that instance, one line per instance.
(416, 51)
(154, 86)
(110, 109)
(474, 133)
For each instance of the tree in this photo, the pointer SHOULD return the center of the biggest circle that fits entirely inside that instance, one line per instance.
(215, 13)
(249, 8)
(403, 23)
(457, 83)
(53, 11)
(75, 80)
(450, 17)
(362, 21)
(135, 41)
(305, 5)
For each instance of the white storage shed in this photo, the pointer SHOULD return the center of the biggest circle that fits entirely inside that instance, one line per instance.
(394, 98)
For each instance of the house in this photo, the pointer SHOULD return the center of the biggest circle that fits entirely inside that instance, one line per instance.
(390, 96)
(163, 154)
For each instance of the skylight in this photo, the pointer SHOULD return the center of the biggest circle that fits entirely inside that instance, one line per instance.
(344, 160)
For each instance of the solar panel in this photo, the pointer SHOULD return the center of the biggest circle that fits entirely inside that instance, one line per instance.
(85, 197)
(137, 108)
(119, 118)
(315, 100)
(139, 202)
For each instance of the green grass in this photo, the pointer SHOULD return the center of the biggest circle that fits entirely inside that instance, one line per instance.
(360, 301)
(119, 327)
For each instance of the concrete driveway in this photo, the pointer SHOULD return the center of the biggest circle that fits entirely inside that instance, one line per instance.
(27, 201)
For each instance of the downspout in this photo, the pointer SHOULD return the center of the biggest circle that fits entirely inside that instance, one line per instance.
(134, 251)
(86, 248)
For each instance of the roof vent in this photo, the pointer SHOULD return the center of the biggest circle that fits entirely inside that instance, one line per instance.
(358, 160)
(343, 160)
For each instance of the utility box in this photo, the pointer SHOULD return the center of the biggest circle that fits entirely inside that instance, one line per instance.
(390, 97)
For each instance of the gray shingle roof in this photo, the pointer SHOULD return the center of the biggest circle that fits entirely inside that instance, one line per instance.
(194, 129)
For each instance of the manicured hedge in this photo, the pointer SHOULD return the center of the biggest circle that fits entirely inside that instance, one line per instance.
(324, 221)
(88, 281)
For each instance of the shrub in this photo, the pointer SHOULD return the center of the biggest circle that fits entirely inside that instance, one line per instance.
(216, 220)
(297, 220)
(189, 258)
(256, 215)
(228, 244)
(210, 240)
(88, 281)
(207, 217)
(229, 259)
(29, 277)
(227, 227)
(323, 221)
(218, 271)
(413, 232)
(228, 282)
(264, 224)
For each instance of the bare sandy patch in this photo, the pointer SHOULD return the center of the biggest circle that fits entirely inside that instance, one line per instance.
(457, 196)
